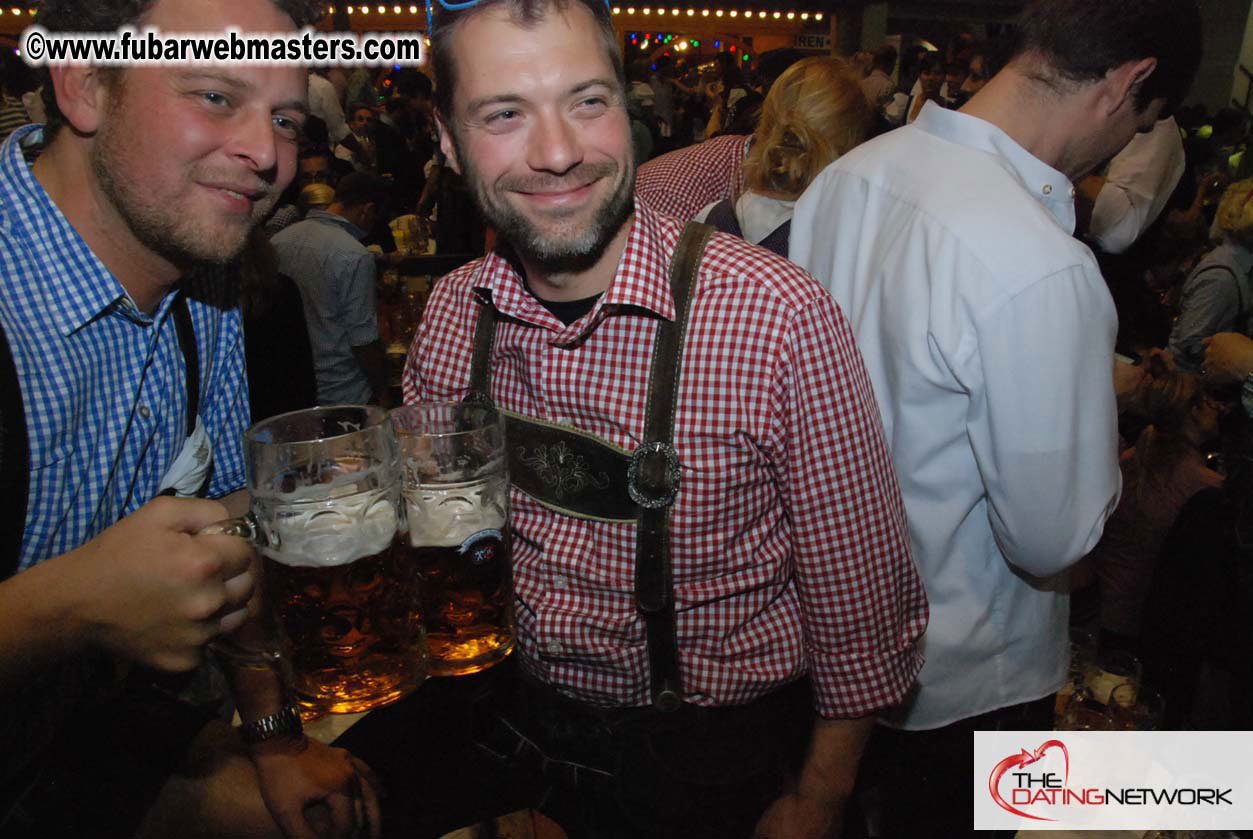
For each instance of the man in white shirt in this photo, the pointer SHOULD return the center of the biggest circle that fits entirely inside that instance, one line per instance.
(1134, 188)
(878, 86)
(989, 334)
(325, 105)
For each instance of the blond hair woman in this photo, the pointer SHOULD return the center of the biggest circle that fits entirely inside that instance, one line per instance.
(814, 113)
(1218, 294)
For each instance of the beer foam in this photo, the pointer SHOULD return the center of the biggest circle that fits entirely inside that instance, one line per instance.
(334, 532)
(446, 517)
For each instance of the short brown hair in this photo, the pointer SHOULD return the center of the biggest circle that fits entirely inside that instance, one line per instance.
(813, 114)
(525, 13)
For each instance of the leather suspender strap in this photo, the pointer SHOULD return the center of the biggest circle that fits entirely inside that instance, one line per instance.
(14, 462)
(481, 360)
(656, 466)
(191, 356)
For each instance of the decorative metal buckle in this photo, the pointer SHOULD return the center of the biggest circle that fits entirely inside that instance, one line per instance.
(653, 475)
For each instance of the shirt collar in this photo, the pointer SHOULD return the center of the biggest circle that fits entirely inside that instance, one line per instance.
(641, 282)
(339, 221)
(76, 286)
(1049, 186)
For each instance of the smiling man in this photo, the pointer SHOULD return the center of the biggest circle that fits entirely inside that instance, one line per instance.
(123, 368)
(707, 540)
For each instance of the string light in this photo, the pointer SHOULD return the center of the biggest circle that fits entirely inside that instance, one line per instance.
(689, 12)
(413, 10)
(382, 10)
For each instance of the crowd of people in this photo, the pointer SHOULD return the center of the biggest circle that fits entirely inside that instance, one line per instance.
(917, 360)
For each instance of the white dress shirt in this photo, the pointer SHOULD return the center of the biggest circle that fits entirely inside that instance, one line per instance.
(1138, 183)
(324, 104)
(988, 334)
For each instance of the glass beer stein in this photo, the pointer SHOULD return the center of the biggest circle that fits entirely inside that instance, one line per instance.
(328, 521)
(456, 492)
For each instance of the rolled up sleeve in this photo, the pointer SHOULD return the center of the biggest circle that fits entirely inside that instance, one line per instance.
(862, 601)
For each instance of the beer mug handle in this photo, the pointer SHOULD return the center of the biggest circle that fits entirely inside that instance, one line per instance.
(263, 658)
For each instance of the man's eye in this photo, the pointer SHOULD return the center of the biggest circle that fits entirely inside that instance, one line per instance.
(502, 116)
(215, 98)
(286, 126)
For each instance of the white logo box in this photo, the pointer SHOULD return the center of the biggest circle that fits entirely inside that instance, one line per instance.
(1113, 780)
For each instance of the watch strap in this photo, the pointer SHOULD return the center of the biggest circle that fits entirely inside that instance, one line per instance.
(282, 723)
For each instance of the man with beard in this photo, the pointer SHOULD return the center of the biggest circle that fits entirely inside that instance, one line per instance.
(122, 362)
(708, 545)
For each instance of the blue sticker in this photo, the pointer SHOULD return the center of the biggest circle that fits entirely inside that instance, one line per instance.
(481, 553)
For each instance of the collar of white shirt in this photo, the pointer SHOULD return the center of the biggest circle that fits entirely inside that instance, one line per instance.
(1049, 186)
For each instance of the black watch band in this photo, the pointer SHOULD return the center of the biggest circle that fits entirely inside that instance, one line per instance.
(284, 723)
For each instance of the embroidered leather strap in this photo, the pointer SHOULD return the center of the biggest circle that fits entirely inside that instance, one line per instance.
(579, 474)
(654, 579)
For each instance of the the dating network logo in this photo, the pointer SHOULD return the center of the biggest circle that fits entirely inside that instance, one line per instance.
(1023, 780)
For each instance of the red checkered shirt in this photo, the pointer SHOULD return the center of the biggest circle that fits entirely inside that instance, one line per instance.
(682, 182)
(790, 548)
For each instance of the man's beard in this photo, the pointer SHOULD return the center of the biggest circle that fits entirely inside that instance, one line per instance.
(554, 254)
(164, 229)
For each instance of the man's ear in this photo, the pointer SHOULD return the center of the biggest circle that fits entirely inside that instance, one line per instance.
(446, 144)
(1125, 80)
(81, 93)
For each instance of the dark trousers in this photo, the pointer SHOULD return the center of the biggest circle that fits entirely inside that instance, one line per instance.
(461, 751)
(920, 784)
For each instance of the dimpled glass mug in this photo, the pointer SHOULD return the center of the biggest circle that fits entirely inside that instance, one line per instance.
(328, 521)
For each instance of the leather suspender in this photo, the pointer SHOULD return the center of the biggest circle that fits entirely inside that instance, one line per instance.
(654, 579)
(651, 478)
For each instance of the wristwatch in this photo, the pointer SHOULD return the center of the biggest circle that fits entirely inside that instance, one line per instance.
(284, 723)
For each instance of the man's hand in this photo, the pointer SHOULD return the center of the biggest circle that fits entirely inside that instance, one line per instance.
(797, 816)
(815, 808)
(1228, 357)
(150, 590)
(315, 791)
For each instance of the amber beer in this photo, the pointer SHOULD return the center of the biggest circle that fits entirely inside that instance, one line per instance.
(338, 583)
(349, 631)
(460, 546)
(456, 491)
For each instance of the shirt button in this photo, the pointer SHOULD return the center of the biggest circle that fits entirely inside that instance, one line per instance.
(553, 647)
(144, 412)
(1072, 192)
(560, 582)
(1048, 189)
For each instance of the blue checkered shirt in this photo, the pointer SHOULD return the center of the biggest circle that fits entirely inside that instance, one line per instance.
(103, 384)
